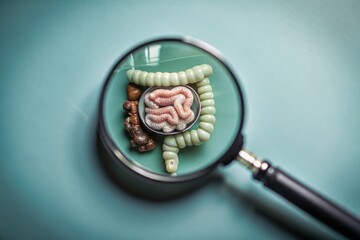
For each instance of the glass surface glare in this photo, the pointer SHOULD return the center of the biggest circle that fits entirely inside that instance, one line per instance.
(174, 56)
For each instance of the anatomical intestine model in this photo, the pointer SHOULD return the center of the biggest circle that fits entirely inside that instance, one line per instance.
(169, 109)
(139, 138)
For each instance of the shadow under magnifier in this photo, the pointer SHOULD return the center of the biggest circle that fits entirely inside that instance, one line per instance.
(268, 210)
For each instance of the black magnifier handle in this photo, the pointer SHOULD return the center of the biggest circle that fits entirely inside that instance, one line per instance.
(302, 196)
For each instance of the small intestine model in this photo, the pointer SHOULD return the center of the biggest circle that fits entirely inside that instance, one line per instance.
(168, 110)
(198, 75)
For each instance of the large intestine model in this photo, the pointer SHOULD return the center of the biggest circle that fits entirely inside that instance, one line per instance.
(178, 96)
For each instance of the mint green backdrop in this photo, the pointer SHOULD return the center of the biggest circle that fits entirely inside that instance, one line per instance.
(299, 66)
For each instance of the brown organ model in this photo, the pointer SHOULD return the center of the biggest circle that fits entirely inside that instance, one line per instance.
(139, 139)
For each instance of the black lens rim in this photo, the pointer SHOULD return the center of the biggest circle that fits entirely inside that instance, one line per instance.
(117, 155)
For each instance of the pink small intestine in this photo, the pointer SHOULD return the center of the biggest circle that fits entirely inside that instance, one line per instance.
(149, 102)
(168, 114)
(168, 110)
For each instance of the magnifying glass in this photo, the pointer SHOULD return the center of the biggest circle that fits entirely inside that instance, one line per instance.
(171, 111)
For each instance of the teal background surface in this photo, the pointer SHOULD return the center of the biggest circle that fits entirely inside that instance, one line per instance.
(299, 66)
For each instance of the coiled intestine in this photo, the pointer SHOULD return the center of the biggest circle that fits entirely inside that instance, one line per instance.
(199, 75)
(168, 110)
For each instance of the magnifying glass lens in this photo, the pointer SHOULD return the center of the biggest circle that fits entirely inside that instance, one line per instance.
(173, 57)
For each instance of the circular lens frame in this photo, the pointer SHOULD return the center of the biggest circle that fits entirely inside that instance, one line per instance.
(116, 153)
